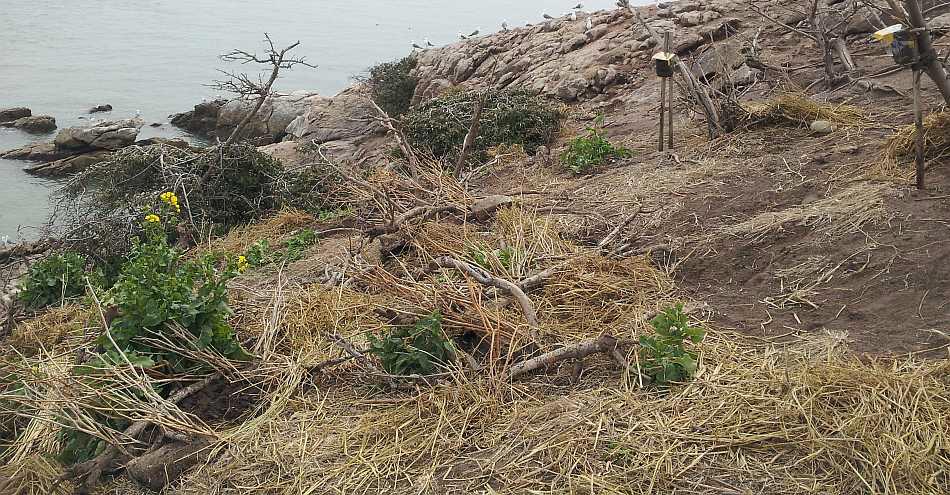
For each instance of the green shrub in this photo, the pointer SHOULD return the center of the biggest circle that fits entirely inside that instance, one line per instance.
(663, 357)
(591, 150)
(421, 349)
(223, 187)
(260, 253)
(54, 279)
(297, 244)
(508, 117)
(393, 85)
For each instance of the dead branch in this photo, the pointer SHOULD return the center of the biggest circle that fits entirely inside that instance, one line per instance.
(472, 133)
(25, 249)
(91, 470)
(616, 231)
(928, 57)
(244, 87)
(604, 344)
(401, 140)
(485, 278)
(419, 211)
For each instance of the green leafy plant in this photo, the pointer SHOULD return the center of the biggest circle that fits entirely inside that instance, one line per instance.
(54, 279)
(508, 117)
(482, 256)
(663, 356)
(591, 150)
(297, 244)
(418, 349)
(392, 85)
(259, 253)
(158, 289)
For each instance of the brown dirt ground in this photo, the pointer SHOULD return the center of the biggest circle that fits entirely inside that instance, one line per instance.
(888, 284)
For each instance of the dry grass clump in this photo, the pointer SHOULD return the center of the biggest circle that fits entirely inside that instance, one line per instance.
(593, 294)
(799, 108)
(274, 229)
(33, 475)
(50, 329)
(842, 213)
(936, 138)
(807, 418)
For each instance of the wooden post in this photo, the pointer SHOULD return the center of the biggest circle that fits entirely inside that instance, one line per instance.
(919, 124)
(662, 108)
(670, 82)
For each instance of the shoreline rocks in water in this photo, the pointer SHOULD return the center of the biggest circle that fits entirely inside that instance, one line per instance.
(101, 108)
(11, 114)
(35, 124)
(111, 135)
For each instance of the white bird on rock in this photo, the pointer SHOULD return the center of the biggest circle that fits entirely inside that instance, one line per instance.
(475, 32)
(462, 36)
(574, 16)
(416, 46)
(579, 6)
(504, 26)
(590, 23)
(429, 43)
(546, 16)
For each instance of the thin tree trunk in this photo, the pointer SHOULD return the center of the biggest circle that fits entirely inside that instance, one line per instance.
(925, 45)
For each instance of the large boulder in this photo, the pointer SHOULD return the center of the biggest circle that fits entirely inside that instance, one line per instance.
(347, 116)
(44, 152)
(36, 124)
(11, 114)
(270, 123)
(201, 121)
(111, 135)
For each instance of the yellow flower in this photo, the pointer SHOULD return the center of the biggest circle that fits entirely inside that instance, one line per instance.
(242, 264)
(152, 218)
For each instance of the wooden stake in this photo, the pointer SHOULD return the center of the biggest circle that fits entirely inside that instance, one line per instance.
(672, 86)
(662, 109)
(667, 46)
(919, 124)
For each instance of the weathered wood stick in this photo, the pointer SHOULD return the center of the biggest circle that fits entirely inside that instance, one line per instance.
(605, 343)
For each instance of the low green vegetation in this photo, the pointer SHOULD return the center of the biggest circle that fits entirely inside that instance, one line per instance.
(260, 253)
(591, 150)
(663, 356)
(421, 349)
(392, 85)
(52, 280)
(508, 118)
(483, 256)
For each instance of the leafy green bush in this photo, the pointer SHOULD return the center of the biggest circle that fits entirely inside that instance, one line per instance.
(591, 150)
(508, 117)
(260, 253)
(393, 85)
(663, 357)
(157, 290)
(482, 256)
(53, 279)
(419, 349)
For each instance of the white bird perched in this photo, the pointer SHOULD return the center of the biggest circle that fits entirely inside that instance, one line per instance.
(504, 25)
(590, 23)
(416, 46)
(528, 23)
(579, 6)
(546, 16)
(574, 16)
(475, 32)
(462, 36)
(429, 43)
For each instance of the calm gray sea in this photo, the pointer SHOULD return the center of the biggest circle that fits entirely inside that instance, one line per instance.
(154, 57)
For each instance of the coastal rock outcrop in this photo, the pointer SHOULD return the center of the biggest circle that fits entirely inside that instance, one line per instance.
(219, 118)
(202, 120)
(34, 124)
(110, 135)
(101, 108)
(11, 114)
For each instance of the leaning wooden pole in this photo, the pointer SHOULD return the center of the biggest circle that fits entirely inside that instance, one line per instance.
(928, 57)
(662, 108)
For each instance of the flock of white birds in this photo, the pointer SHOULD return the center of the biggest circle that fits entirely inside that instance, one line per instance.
(572, 15)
